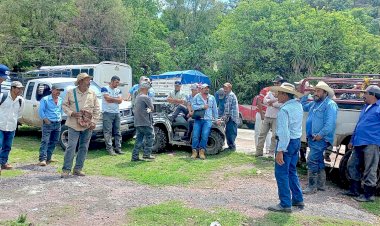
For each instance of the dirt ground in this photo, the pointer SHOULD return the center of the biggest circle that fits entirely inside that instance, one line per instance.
(95, 200)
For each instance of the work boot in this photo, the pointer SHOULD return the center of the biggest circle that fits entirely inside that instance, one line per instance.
(149, 157)
(299, 205)
(78, 172)
(259, 153)
(6, 166)
(321, 180)
(279, 208)
(202, 154)
(42, 163)
(368, 196)
(354, 189)
(111, 152)
(51, 161)
(312, 186)
(65, 173)
(194, 154)
(119, 152)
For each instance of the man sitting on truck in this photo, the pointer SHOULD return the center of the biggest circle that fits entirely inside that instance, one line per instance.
(320, 130)
(111, 115)
(366, 142)
(177, 99)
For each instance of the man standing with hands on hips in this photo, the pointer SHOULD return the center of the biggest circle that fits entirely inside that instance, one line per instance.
(289, 132)
(320, 131)
(50, 111)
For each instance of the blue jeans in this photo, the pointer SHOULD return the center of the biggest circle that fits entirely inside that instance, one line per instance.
(315, 159)
(289, 188)
(142, 132)
(367, 156)
(201, 131)
(74, 136)
(50, 137)
(6, 141)
(111, 127)
(231, 133)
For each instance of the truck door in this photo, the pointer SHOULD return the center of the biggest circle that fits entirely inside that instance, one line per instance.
(28, 115)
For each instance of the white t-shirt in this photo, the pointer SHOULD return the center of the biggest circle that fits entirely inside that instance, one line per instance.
(110, 107)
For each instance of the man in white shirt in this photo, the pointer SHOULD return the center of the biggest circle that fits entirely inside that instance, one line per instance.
(11, 107)
(270, 118)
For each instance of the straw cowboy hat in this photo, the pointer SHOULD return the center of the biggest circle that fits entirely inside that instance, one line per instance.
(325, 87)
(286, 88)
(81, 76)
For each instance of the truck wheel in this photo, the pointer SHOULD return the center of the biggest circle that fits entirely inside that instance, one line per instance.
(64, 137)
(160, 141)
(215, 143)
(343, 171)
(240, 125)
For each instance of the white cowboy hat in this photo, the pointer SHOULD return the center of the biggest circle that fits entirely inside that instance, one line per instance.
(325, 87)
(286, 88)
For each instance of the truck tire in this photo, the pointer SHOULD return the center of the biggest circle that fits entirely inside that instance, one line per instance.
(64, 137)
(160, 141)
(215, 143)
(344, 182)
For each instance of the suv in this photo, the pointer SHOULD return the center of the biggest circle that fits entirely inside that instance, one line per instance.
(166, 131)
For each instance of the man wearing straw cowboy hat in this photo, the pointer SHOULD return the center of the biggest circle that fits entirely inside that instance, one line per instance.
(320, 130)
(288, 135)
(82, 109)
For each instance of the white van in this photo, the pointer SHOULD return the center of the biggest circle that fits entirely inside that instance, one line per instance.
(101, 72)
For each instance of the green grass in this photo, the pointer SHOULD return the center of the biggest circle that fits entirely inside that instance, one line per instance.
(21, 221)
(176, 213)
(372, 207)
(168, 169)
(296, 219)
(11, 173)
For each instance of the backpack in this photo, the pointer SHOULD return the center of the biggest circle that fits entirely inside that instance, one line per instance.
(4, 97)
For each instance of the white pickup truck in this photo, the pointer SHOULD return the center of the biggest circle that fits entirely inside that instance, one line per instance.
(349, 101)
(35, 89)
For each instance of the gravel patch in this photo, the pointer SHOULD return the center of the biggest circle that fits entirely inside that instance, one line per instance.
(96, 200)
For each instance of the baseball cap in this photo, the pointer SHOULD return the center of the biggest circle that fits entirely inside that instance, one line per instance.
(4, 71)
(17, 84)
(194, 86)
(204, 85)
(53, 87)
(221, 93)
(373, 89)
(177, 83)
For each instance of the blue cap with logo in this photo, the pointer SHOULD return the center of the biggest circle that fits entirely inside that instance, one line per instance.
(4, 71)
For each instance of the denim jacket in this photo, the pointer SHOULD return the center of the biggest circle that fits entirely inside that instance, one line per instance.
(321, 119)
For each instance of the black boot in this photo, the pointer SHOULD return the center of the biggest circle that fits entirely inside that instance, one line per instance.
(354, 189)
(321, 180)
(312, 185)
(368, 196)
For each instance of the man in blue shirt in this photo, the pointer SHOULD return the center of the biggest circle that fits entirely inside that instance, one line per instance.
(289, 132)
(50, 112)
(111, 115)
(230, 116)
(202, 126)
(320, 132)
(366, 141)
(220, 97)
(133, 92)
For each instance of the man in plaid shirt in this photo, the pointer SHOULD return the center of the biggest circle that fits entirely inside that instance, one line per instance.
(230, 116)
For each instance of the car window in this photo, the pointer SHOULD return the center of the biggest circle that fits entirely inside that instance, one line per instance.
(29, 91)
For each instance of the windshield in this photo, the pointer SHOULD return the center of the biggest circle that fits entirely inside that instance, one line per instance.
(70, 85)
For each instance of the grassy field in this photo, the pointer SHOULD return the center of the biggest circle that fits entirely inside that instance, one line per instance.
(173, 168)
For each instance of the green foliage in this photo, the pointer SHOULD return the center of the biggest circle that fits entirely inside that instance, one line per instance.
(372, 207)
(176, 213)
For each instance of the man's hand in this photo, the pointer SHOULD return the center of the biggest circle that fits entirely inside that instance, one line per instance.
(76, 114)
(350, 146)
(317, 137)
(280, 158)
(205, 107)
(46, 121)
(148, 110)
(93, 125)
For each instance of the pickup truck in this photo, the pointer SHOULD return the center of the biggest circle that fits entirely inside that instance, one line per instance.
(248, 114)
(349, 104)
(36, 89)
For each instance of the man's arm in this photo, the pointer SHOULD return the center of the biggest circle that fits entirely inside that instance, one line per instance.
(305, 104)
(329, 125)
(197, 103)
(41, 110)
(66, 103)
(282, 130)
(215, 109)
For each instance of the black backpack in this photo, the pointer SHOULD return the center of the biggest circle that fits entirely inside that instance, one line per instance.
(4, 97)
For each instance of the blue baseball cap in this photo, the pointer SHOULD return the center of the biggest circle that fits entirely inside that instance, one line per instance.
(177, 83)
(4, 71)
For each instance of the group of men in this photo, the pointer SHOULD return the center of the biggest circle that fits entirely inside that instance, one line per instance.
(320, 130)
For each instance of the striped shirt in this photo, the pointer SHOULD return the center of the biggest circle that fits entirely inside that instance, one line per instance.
(231, 108)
